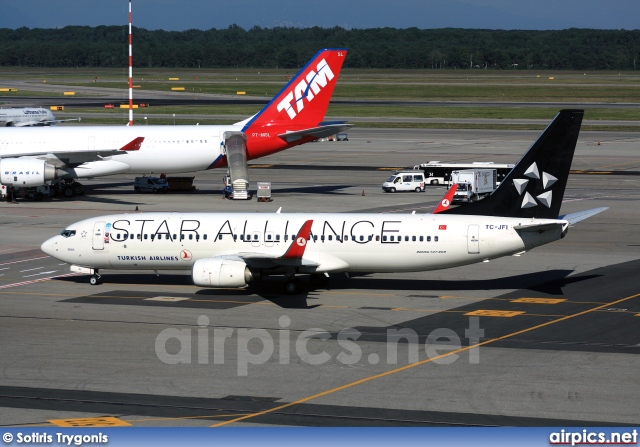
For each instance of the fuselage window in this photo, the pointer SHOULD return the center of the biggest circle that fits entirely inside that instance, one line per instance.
(146, 236)
(315, 238)
(413, 238)
(191, 237)
(220, 236)
(277, 238)
(428, 238)
(435, 238)
(131, 236)
(255, 237)
(330, 237)
(205, 237)
(378, 238)
(268, 237)
(175, 237)
(421, 238)
(361, 238)
(406, 238)
(384, 238)
(391, 238)
(346, 238)
(235, 237)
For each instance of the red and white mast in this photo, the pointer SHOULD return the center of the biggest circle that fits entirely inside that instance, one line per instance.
(130, 72)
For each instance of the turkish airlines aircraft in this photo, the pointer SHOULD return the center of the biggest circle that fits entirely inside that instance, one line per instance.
(234, 249)
(33, 156)
(28, 116)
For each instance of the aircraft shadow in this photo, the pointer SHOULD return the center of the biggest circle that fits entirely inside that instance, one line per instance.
(551, 282)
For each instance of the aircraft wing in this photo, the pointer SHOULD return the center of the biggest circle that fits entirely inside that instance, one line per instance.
(321, 131)
(72, 158)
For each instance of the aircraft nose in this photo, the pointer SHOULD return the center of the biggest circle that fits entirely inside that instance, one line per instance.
(50, 246)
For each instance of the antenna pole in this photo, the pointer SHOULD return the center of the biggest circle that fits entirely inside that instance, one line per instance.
(130, 72)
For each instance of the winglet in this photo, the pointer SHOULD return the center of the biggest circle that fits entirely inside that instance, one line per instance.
(445, 203)
(133, 145)
(298, 245)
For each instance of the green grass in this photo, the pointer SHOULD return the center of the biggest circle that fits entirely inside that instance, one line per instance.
(402, 85)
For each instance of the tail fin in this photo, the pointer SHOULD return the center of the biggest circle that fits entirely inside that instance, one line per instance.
(303, 102)
(535, 186)
(445, 203)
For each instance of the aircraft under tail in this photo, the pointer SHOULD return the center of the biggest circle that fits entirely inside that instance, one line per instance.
(535, 186)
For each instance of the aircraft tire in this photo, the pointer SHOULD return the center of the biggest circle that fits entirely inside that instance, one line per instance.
(67, 191)
(78, 189)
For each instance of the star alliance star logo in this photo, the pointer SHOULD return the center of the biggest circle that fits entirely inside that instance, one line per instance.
(547, 180)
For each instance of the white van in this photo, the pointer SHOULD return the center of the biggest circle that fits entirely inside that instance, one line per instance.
(405, 181)
(150, 184)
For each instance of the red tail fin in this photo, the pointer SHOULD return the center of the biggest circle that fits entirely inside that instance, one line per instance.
(304, 100)
(296, 249)
(445, 203)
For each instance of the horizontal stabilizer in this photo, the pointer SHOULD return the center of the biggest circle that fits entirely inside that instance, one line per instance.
(539, 228)
(582, 215)
(315, 132)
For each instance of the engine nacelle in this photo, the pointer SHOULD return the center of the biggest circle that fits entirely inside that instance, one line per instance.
(218, 272)
(24, 172)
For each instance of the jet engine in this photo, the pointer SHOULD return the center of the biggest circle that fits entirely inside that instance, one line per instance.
(24, 172)
(219, 272)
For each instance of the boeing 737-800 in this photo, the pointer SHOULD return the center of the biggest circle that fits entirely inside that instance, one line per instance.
(232, 250)
(33, 156)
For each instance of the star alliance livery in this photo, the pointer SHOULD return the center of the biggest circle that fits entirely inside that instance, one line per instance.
(235, 249)
(33, 156)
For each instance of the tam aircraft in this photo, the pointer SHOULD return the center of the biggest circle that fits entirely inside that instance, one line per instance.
(29, 116)
(235, 249)
(36, 155)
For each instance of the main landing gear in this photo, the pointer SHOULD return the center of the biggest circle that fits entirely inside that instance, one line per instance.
(294, 285)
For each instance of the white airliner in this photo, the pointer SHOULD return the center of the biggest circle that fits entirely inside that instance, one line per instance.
(29, 116)
(232, 250)
(33, 156)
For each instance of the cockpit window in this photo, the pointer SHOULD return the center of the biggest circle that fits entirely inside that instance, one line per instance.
(68, 233)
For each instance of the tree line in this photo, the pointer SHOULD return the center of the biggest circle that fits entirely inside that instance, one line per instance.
(449, 48)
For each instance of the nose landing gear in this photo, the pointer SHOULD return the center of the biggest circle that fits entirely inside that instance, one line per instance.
(95, 279)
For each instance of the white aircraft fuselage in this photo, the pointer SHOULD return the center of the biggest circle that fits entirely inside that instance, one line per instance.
(26, 116)
(165, 149)
(337, 243)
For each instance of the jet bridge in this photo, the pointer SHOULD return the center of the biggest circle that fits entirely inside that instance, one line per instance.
(235, 149)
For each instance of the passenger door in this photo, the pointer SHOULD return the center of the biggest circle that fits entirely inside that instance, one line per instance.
(98, 236)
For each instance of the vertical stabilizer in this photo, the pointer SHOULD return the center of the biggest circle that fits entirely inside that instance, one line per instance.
(535, 186)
